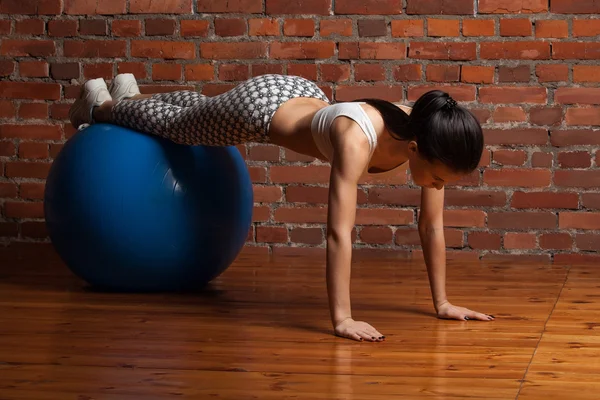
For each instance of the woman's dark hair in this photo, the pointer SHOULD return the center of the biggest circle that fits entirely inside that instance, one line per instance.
(443, 130)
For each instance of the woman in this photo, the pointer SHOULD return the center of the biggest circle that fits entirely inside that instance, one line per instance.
(439, 141)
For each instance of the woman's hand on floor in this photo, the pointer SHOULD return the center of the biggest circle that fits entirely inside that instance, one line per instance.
(449, 311)
(358, 330)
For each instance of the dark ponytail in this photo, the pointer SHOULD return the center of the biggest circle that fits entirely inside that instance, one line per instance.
(443, 130)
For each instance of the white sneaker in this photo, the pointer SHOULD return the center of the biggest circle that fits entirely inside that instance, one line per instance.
(123, 86)
(93, 94)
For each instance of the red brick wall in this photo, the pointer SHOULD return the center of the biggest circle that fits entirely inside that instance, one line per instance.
(529, 69)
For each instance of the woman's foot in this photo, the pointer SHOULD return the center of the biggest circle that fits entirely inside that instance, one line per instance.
(93, 94)
(124, 86)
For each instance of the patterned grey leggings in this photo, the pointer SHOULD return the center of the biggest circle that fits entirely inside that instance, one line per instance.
(241, 115)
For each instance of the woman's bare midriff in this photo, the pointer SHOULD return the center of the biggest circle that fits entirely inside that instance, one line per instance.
(290, 126)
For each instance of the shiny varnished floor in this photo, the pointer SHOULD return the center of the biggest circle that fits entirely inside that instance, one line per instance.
(261, 331)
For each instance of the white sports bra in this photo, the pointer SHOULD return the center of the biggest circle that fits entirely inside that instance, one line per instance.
(321, 129)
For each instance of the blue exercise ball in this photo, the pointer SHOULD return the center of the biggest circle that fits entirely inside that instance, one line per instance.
(128, 211)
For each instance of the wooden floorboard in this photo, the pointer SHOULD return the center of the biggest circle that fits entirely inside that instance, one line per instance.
(261, 331)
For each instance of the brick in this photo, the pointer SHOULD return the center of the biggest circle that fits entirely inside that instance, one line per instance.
(577, 179)
(317, 7)
(542, 160)
(372, 27)
(520, 241)
(376, 235)
(484, 240)
(369, 72)
(196, 28)
(375, 216)
(98, 70)
(583, 116)
(586, 27)
(523, 50)
(160, 7)
(574, 159)
(443, 51)
(242, 50)
(578, 137)
(443, 73)
(33, 111)
(308, 71)
(575, 7)
(479, 198)
(40, 7)
(458, 92)
(267, 194)
(464, 218)
(312, 236)
(23, 169)
(552, 72)
(5, 26)
(234, 72)
(546, 116)
(230, 6)
(199, 72)
(62, 28)
(163, 49)
(64, 71)
(138, 69)
(301, 50)
(404, 236)
(127, 28)
(30, 131)
(394, 196)
(443, 27)
(306, 194)
(34, 69)
(408, 72)
(510, 157)
(85, 7)
(230, 26)
(588, 200)
(517, 177)
(552, 29)
(300, 174)
(32, 150)
(516, 95)
(93, 27)
(263, 152)
(263, 27)
(166, 72)
(588, 241)
(27, 48)
(515, 27)
(299, 27)
(300, 215)
(8, 190)
(556, 241)
(577, 96)
(271, 234)
(521, 73)
(479, 27)
(34, 230)
(262, 69)
(586, 73)
(454, 7)
(521, 220)
(335, 72)
(7, 110)
(382, 91)
(95, 48)
(544, 200)
(160, 27)
(477, 74)
(408, 28)
(9, 229)
(576, 51)
(512, 6)
(29, 27)
(341, 27)
(579, 220)
(13, 209)
(368, 7)
(30, 90)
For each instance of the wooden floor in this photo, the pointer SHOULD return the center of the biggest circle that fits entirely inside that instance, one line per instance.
(262, 332)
